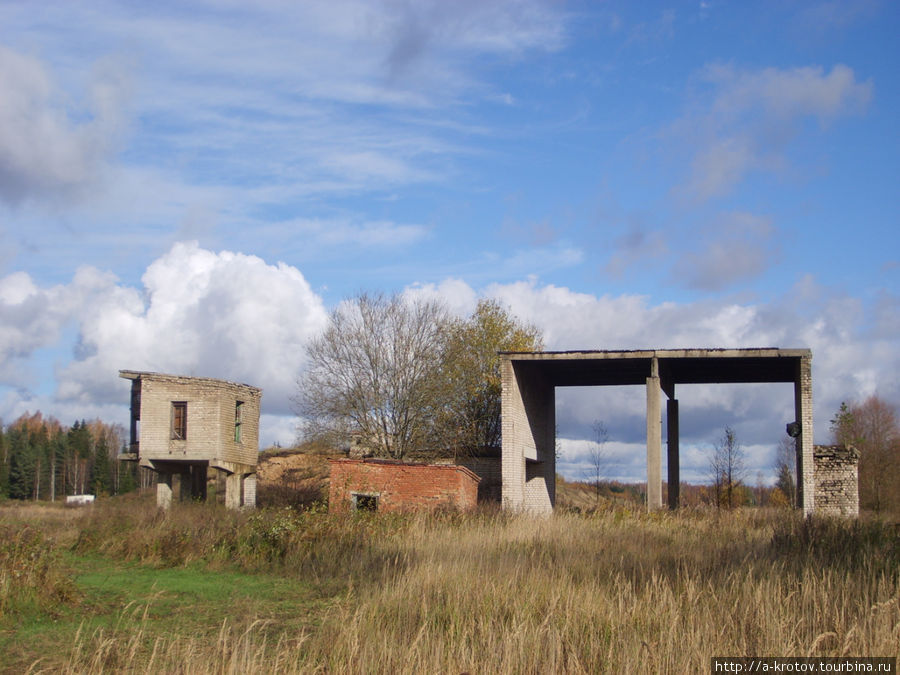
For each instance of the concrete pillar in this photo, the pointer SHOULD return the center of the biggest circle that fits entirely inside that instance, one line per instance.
(233, 484)
(529, 440)
(672, 450)
(513, 422)
(164, 490)
(654, 440)
(806, 496)
(250, 491)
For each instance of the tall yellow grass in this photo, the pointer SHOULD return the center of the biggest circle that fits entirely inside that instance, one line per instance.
(619, 591)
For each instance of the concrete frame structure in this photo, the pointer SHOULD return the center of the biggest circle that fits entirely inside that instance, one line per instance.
(183, 426)
(529, 409)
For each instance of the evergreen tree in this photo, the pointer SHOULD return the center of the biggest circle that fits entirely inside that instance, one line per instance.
(127, 476)
(100, 469)
(79, 458)
(4, 463)
(21, 465)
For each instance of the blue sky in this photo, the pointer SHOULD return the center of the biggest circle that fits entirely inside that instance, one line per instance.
(191, 187)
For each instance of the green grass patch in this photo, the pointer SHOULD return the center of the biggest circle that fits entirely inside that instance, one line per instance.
(115, 596)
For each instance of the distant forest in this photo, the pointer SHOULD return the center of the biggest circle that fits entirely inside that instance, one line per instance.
(40, 458)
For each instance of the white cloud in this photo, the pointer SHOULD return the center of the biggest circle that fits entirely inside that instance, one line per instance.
(735, 247)
(43, 153)
(342, 233)
(753, 115)
(848, 362)
(223, 314)
(32, 318)
(234, 316)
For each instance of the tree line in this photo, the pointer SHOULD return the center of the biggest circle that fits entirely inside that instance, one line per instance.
(871, 426)
(42, 459)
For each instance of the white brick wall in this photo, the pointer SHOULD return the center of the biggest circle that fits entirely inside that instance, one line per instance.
(210, 420)
(836, 480)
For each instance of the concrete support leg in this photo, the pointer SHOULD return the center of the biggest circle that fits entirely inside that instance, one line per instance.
(164, 490)
(233, 484)
(674, 482)
(803, 411)
(529, 434)
(250, 491)
(514, 420)
(654, 444)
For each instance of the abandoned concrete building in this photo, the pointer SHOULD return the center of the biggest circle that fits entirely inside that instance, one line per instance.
(183, 426)
(390, 485)
(529, 424)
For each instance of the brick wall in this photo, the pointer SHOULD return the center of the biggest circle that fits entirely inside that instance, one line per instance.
(400, 486)
(836, 480)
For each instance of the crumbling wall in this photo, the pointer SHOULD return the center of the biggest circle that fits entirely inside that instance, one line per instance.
(386, 485)
(836, 480)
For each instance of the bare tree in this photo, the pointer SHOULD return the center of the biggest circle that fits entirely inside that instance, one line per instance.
(727, 469)
(374, 373)
(786, 469)
(597, 455)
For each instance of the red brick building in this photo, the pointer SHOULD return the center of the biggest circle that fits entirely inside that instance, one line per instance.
(387, 485)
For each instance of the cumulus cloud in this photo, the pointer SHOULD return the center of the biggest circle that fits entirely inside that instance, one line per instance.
(751, 116)
(43, 153)
(32, 318)
(223, 314)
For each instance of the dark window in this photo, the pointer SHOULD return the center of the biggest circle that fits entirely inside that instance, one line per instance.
(179, 420)
(365, 502)
(238, 420)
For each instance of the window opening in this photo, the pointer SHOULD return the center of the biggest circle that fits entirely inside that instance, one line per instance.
(179, 420)
(238, 420)
(365, 502)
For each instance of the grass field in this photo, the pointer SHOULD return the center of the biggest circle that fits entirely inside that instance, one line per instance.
(122, 588)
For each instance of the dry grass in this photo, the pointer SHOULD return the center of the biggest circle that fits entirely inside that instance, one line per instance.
(616, 591)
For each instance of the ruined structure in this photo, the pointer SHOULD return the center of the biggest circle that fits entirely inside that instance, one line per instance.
(390, 485)
(529, 415)
(183, 426)
(837, 480)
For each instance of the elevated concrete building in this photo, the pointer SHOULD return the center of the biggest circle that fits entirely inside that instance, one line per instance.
(183, 426)
(529, 409)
